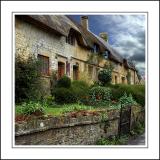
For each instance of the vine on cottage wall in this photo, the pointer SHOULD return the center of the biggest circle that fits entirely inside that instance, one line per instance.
(128, 77)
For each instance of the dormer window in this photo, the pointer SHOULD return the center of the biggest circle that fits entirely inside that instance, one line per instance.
(96, 48)
(71, 39)
(106, 54)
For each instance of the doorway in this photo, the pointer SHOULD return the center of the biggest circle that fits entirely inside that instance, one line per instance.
(61, 69)
(75, 72)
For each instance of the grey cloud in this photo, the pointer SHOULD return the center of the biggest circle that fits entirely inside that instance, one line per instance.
(138, 57)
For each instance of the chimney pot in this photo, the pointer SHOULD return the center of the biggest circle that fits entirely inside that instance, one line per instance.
(84, 22)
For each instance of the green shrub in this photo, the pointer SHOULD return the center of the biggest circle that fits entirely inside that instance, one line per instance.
(64, 82)
(80, 84)
(127, 100)
(80, 89)
(27, 79)
(114, 140)
(53, 79)
(48, 100)
(64, 95)
(105, 76)
(138, 129)
(99, 96)
(137, 91)
(31, 108)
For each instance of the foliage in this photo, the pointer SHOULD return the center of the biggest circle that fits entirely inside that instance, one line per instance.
(105, 76)
(99, 96)
(30, 108)
(64, 82)
(27, 79)
(53, 80)
(80, 84)
(127, 100)
(96, 84)
(95, 58)
(64, 95)
(80, 89)
(62, 109)
(114, 140)
(54, 109)
(48, 100)
(138, 129)
(129, 77)
(75, 107)
(137, 91)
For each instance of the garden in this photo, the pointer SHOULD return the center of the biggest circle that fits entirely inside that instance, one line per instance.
(68, 97)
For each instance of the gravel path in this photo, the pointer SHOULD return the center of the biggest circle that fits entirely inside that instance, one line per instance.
(140, 140)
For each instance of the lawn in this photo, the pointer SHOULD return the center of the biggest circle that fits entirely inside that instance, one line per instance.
(58, 110)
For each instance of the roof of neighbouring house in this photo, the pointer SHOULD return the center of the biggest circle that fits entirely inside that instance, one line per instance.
(130, 65)
(114, 53)
(63, 24)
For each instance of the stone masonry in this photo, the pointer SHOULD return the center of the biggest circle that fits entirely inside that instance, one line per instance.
(66, 130)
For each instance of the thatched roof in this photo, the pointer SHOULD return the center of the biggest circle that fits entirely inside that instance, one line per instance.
(114, 55)
(63, 25)
(129, 64)
(59, 23)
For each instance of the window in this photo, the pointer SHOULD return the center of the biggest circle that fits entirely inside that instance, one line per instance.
(75, 72)
(115, 79)
(44, 64)
(123, 80)
(61, 69)
(70, 39)
(95, 48)
(105, 54)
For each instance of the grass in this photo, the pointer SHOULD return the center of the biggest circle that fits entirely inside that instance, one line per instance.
(115, 140)
(57, 110)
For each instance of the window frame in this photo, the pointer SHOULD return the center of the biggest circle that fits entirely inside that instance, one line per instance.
(71, 39)
(44, 69)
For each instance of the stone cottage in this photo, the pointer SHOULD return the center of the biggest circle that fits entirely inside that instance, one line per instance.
(69, 48)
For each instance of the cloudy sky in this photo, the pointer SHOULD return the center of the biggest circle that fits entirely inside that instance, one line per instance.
(126, 34)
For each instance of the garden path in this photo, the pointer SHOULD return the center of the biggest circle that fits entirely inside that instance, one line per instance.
(140, 140)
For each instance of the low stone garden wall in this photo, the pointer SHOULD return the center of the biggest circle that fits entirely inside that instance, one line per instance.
(67, 130)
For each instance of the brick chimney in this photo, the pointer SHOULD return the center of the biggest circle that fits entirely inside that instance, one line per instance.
(104, 36)
(84, 22)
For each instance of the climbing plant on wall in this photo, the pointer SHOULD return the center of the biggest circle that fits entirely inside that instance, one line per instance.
(128, 77)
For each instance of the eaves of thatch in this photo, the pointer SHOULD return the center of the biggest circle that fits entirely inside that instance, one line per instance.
(63, 25)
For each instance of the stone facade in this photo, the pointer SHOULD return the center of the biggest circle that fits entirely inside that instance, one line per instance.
(31, 39)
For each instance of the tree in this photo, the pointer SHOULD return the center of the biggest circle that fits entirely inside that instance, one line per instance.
(27, 78)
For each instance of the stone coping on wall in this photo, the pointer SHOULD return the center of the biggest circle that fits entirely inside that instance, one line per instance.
(37, 125)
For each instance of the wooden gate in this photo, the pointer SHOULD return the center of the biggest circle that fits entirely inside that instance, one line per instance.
(125, 119)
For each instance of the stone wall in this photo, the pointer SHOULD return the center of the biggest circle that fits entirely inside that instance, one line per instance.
(66, 130)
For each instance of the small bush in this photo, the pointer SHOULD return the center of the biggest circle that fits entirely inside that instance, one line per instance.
(80, 89)
(127, 100)
(114, 140)
(27, 79)
(99, 96)
(105, 76)
(31, 108)
(64, 82)
(137, 91)
(64, 95)
(48, 100)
